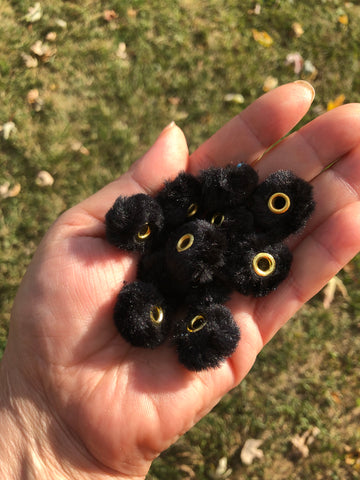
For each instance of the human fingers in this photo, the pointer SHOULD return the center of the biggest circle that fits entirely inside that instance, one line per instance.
(249, 134)
(331, 239)
(316, 145)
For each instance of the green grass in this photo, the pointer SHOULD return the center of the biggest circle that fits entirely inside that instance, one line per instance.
(182, 58)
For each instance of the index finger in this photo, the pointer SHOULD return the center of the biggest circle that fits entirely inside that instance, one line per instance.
(248, 135)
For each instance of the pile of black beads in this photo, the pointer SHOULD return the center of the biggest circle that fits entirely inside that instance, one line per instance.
(200, 238)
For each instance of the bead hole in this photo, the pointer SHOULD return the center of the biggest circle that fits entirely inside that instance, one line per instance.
(279, 203)
(217, 219)
(185, 242)
(144, 232)
(264, 264)
(156, 314)
(191, 211)
(196, 324)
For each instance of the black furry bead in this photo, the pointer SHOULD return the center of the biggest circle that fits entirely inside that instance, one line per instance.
(195, 253)
(141, 315)
(281, 205)
(257, 271)
(233, 221)
(134, 223)
(180, 200)
(206, 337)
(226, 187)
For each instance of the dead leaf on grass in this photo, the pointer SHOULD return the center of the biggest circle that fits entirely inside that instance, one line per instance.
(339, 100)
(270, 83)
(251, 450)
(7, 129)
(343, 19)
(34, 100)
(121, 51)
(297, 29)
(296, 60)
(51, 36)
(310, 72)
(43, 51)
(222, 471)
(263, 38)
(256, 10)
(77, 146)
(34, 13)
(44, 179)
(300, 443)
(110, 15)
(29, 60)
(7, 192)
(330, 289)
(234, 98)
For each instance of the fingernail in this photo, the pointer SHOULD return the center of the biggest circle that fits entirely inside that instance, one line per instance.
(168, 127)
(307, 85)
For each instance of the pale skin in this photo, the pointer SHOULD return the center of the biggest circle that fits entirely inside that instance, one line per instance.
(77, 401)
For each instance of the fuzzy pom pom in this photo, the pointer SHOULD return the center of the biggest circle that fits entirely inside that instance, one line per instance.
(206, 337)
(134, 223)
(195, 252)
(226, 187)
(281, 205)
(258, 271)
(141, 315)
(180, 200)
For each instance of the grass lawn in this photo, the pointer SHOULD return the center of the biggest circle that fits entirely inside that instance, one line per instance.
(85, 89)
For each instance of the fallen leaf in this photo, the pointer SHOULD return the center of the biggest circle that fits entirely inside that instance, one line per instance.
(309, 70)
(51, 36)
(256, 10)
(174, 100)
(234, 97)
(43, 51)
(7, 129)
(300, 443)
(61, 23)
(270, 83)
(77, 146)
(29, 60)
(343, 19)
(330, 289)
(34, 13)
(7, 192)
(121, 51)
(336, 103)
(44, 179)
(295, 59)
(222, 471)
(297, 29)
(263, 38)
(109, 15)
(251, 450)
(131, 12)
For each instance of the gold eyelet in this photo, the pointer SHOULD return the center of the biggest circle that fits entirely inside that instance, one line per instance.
(191, 211)
(284, 200)
(144, 232)
(185, 242)
(217, 219)
(264, 264)
(156, 314)
(196, 324)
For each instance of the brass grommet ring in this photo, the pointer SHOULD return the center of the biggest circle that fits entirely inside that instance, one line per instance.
(217, 219)
(191, 211)
(185, 242)
(144, 232)
(196, 324)
(264, 264)
(156, 314)
(279, 203)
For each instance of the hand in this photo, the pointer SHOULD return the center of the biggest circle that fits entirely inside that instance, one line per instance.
(76, 398)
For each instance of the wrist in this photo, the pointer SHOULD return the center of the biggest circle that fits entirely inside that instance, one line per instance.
(34, 444)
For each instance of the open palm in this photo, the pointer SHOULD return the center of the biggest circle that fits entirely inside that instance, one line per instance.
(116, 406)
